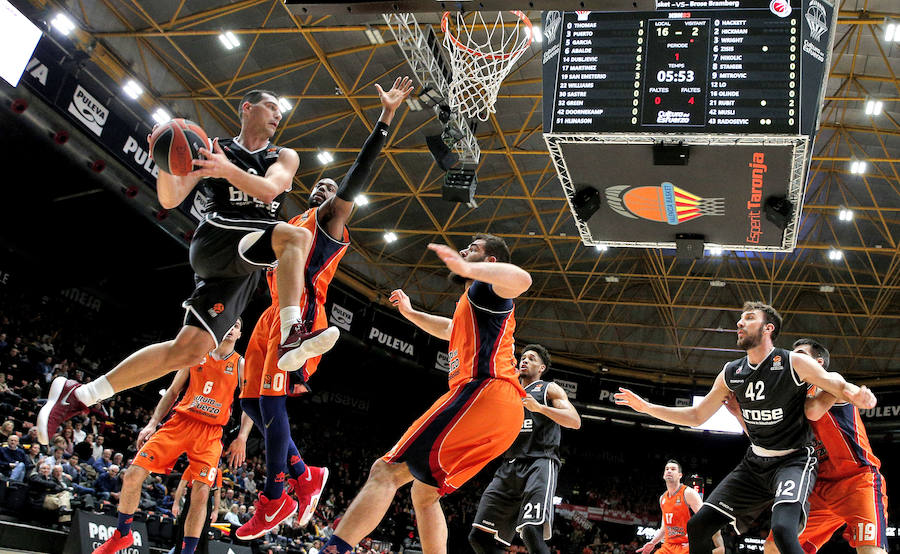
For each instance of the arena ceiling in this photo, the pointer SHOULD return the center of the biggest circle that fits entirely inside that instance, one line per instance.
(660, 318)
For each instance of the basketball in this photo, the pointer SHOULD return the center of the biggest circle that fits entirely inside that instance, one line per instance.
(176, 144)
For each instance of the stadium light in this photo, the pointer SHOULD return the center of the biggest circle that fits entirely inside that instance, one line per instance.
(374, 36)
(229, 40)
(717, 284)
(874, 107)
(63, 24)
(284, 104)
(325, 157)
(537, 35)
(858, 167)
(826, 288)
(611, 279)
(715, 251)
(161, 116)
(835, 254)
(601, 247)
(414, 104)
(390, 237)
(361, 200)
(891, 31)
(845, 215)
(133, 89)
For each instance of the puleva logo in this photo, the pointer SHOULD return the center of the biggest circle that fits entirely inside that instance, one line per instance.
(665, 203)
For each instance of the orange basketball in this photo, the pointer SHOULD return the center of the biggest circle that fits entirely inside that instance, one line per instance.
(176, 144)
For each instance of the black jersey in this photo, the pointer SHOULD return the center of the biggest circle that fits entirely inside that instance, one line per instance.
(539, 436)
(772, 397)
(226, 199)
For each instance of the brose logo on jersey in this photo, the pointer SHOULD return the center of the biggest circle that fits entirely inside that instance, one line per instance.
(763, 417)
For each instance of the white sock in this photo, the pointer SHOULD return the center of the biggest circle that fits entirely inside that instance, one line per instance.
(95, 391)
(289, 316)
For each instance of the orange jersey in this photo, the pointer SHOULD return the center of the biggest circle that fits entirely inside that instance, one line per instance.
(321, 263)
(842, 444)
(210, 389)
(676, 514)
(481, 338)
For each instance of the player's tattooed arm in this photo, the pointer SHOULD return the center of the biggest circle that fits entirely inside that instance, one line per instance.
(560, 410)
(434, 325)
(690, 416)
(831, 382)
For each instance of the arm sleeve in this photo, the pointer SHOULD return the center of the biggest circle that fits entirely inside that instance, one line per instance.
(356, 178)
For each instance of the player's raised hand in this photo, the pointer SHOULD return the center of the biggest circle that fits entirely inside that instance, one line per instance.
(627, 398)
(145, 434)
(391, 99)
(451, 258)
(863, 398)
(237, 452)
(400, 301)
(216, 163)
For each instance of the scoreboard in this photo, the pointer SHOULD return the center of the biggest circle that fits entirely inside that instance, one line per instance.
(692, 66)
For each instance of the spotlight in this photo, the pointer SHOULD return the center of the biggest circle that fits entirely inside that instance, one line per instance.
(325, 157)
(430, 96)
(161, 116)
(835, 254)
(586, 202)
(390, 237)
(361, 200)
(874, 107)
(441, 152)
(133, 89)
(19, 105)
(858, 167)
(283, 104)
(62, 23)
(845, 215)
(459, 186)
(229, 40)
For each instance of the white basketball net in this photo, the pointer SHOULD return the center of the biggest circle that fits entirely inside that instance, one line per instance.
(481, 56)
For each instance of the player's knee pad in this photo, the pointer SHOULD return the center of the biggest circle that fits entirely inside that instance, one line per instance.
(483, 542)
(533, 537)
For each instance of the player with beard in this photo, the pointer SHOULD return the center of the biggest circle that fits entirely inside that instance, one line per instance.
(676, 504)
(475, 421)
(244, 179)
(779, 469)
(264, 396)
(520, 496)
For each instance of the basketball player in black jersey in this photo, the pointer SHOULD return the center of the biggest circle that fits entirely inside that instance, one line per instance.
(244, 180)
(779, 468)
(520, 497)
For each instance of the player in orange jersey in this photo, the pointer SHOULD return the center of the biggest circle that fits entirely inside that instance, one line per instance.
(475, 421)
(264, 397)
(849, 488)
(677, 504)
(194, 428)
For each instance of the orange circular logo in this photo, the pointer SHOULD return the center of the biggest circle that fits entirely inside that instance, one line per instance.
(219, 308)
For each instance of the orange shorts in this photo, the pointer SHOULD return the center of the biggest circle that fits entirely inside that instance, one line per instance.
(460, 433)
(859, 500)
(673, 548)
(179, 435)
(261, 374)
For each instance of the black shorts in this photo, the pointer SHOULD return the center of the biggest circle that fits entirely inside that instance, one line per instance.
(226, 256)
(520, 494)
(760, 482)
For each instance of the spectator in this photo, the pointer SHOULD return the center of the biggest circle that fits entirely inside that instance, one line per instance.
(98, 444)
(58, 442)
(73, 470)
(78, 434)
(102, 463)
(108, 485)
(6, 430)
(14, 460)
(46, 368)
(31, 437)
(232, 516)
(34, 458)
(48, 494)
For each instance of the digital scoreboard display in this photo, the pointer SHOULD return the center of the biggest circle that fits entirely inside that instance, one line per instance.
(692, 66)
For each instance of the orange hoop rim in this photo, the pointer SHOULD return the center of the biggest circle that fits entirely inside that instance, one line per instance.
(445, 28)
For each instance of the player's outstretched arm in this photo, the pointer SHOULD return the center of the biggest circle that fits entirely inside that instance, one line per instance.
(831, 382)
(434, 325)
(278, 178)
(507, 280)
(237, 450)
(817, 406)
(163, 406)
(691, 416)
(560, 410)
(334, 212)
(657, 538)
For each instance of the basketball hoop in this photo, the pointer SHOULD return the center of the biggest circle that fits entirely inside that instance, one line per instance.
(481, 56)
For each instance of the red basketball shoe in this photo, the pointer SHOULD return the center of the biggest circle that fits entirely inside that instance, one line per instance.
(115, 543)
(308, 489)
(301, 346)
(61, 405)
(268, 515)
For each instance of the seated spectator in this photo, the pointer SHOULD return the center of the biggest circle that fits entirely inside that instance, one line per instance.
(35, 457)
(6, 430)
(98, 448)
(13, 460)
(66, 481)
(78, 433)
(104, 461)
(48, 494)
(58, 443)
(31, 437)
(72, 468)
(232, 516)
(109, 484)
(46, 368)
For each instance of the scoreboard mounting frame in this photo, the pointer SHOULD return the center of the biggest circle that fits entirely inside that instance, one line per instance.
(799, 153)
